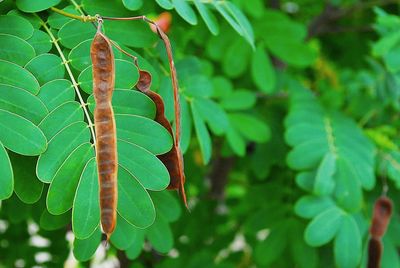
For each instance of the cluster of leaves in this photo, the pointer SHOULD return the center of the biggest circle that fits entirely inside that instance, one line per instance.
(298, 138)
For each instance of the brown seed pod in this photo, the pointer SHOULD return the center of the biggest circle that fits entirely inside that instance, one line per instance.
(106, 140)
(173, 159)
(374, 253)
(380, 219)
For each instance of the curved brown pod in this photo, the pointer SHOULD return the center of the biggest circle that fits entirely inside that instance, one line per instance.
(380, 219)
(106, 140)
(173, 159)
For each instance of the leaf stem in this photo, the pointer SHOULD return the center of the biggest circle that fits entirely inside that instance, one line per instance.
(74, 83)
(83, 18)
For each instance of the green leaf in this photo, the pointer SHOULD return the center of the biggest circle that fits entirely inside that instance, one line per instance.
(20, 135)
(60, 146)
(86, 207)
(238, 100)
(6, 175)
(143, 165)
(324, 181)
(64, 115)
(143, 132)
(166, 205)
(46, 67)
(197, 86)
(62, 189)
(134, 203)
(136, 248)
(202, 134)
(246, 28)
(50, 222)
(113, 8)
(236, 58)
(40, 41)
(132, 4)
(37, 5)
(15, 49)
(213, 114)
(185, 11)
(35, 21)
(323, 227)
(166, 4)
(310, 206)
(348, 244)
(250, 127)
(74, 32)
(56, 92)
(160, 235)
(22, 102)
(15, 75)
(126, 76)
(262, 71)
(236, 142)
(271, 248)
(124, 234)
(26, 185)
(56, 21)
(130, 102)
(16, 25)
(207, 16)
(85, 248)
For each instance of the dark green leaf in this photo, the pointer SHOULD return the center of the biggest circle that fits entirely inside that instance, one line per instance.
(36, 6)
(6, 174)
(15, 75)
(46, 67)
(15, 49)
(16, 25)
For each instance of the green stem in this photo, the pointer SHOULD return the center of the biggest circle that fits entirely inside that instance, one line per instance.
(74, 83)
(83, 18)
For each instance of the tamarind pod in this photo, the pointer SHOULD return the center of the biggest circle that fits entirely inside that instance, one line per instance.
(173, 160)
(106, 146)
(382, 212)
(374, 253)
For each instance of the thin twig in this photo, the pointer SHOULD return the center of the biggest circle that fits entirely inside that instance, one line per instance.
(83, 18)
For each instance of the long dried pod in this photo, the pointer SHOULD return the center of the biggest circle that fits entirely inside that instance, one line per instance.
(106, 140)
(173, 159)
(380, 219)
(374, 253)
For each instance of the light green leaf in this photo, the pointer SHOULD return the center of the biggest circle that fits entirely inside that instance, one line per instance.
(207, 16)
(56, 21)
(238, 100)
(324, 180)
(112, 8)
(132, 4)
(15, 49)
(185, 11)
(62, 189)
(129, 102)
(20, 135)
(213, 114)
(74, 32)
(15, 75)
(60, 146)
(56, 92)
(46, 67)
(85, 248)
(202, 135)
(166, 4)
(40, 41)
(124, 31)
(64, 115)
(323, 227)
(240, 18)
(166, 205)
(16, 25)
(197, 86)
(348, 244)
(124, 234)
(37, 5)
(236, 58)
(143, 165)
(86, 208)
(262, 71)
(250, 127)
(26, 185)
(6, 175)
(134, 203)
(310, 206)
(22, 102)
(143, 132)
(126, 76)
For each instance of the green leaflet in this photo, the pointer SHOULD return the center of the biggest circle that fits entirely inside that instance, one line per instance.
(15, 49)
(262, 71)
(85, 248)
(124, 234)
(56, 92)
(130, 102)
(143, 165)
(63, 186)
(323, 228)
(166, 205)
(202, 134)
(14, 75)
(86, 207)
(136, 247)
(46, 67)
(126, 76)
(26, 185)
(213, 114)
(160, 235)
(60, 146)
(310, 206)
(68, 33)
(324, 180)
(40, 41)
(15, 129)
(62, 116)
(16, 25)
(6, 175)
(207, 16)
(185, 11)
(50, 222)
(271, 248)
(134, 203)
(132, 4)
(166, 4)
(236, 58)
(35, 6)
(238, 100)
(22, 102)
(106, 8)
(56, 21)
(143, 132)
(250, 127)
